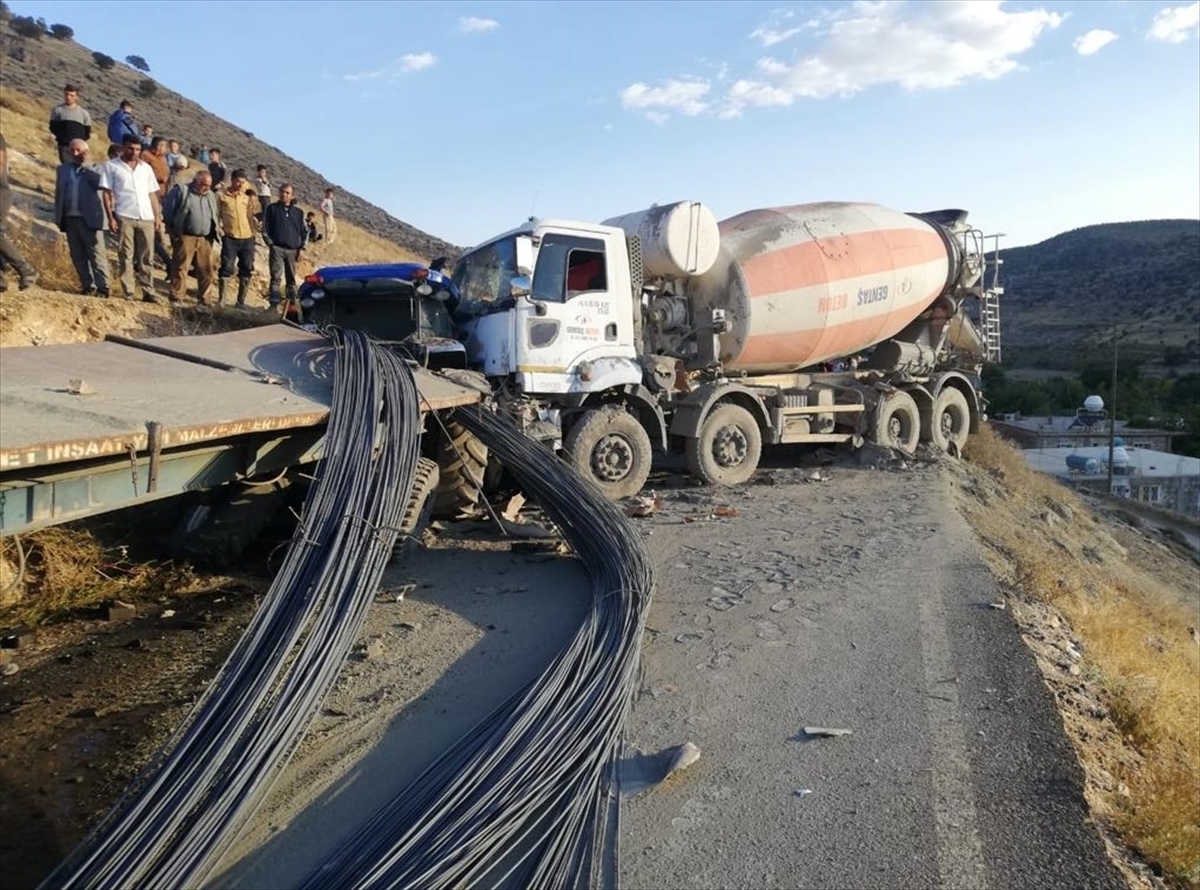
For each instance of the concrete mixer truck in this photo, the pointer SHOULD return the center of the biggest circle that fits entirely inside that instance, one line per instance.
(665, 331)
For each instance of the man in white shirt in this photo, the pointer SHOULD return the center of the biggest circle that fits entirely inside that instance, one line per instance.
(130, 192)
(327, 214)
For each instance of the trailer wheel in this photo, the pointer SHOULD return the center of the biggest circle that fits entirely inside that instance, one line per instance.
(950, 424)
(897, 422)
(610, 448)
(216, 534)
(728, 448)
(419, 509)
(462, 460)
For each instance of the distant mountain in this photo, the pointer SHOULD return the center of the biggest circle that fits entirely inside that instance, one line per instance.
(1064, 298)
(39, 68)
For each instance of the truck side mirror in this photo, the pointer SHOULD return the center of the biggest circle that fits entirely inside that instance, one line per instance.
(520, 286)
(524, 252)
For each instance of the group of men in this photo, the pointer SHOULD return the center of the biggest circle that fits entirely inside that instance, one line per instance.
(141, 194)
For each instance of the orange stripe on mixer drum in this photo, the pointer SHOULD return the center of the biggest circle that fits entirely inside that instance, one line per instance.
(829, 260)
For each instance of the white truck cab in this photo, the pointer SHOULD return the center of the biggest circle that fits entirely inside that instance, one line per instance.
(550, 306)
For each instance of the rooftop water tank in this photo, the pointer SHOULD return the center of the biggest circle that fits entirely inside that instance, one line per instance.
(1094, 404)
(1083, 464)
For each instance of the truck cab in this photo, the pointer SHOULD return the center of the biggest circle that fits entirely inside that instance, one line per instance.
(549, 307)
(400, 304)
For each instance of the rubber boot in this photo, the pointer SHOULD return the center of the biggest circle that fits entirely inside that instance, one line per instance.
(221, 291)
(243, 289)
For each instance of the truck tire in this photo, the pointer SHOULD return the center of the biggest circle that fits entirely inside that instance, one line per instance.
(419, 509)
(462, 460)
(950, 423)
(897, 422)
(728, 448)
(610, 448)
(212, 535)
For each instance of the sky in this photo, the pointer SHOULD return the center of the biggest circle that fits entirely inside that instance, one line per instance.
(464, 119)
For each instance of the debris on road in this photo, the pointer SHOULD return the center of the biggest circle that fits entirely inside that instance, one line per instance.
(644, 772)
(77, 386)
(643, 506)
(825, 732)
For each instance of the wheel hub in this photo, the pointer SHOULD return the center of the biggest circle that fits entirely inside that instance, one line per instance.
(946, 422)
(895, 429)
(729, 446)
(612, 458)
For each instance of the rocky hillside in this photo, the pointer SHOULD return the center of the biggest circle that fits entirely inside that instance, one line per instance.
(39, 68)
(1069, 293)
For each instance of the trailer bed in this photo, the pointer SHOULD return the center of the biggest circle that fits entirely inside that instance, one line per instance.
(207, 389)
(91, 427)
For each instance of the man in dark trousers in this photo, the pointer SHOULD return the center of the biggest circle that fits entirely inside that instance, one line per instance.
(286, 234)
(79, 212)
(9, 254)
(239, 222)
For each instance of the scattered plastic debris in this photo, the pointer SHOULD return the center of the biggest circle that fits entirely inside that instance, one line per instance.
(77, 386)
(643, 772)
(800, 792)
(826, 732)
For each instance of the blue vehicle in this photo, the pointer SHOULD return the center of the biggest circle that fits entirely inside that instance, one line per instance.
(406, 305)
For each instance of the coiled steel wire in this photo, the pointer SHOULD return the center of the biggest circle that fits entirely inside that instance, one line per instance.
(171, 827)
(529, 797)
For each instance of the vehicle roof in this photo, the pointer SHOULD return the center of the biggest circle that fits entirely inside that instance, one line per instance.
(403, 271)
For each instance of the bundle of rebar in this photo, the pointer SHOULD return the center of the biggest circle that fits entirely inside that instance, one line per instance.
(529, 798)
(171, 827)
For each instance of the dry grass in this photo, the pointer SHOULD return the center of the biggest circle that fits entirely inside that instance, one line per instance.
(1135, 633)
(68, 568)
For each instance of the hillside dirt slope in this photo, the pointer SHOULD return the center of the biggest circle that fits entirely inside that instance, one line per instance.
(38, 69)
(84, 702)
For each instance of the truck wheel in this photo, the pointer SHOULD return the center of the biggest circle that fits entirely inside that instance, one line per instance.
(211, 535)
(950, 424)
(419, 509)
(610, 448)
(728, 447)
(897, 422)
(462, 460)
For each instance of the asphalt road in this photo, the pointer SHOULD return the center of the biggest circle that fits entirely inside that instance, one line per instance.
(859, 603)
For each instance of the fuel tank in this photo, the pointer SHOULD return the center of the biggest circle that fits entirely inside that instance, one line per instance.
(812, 282)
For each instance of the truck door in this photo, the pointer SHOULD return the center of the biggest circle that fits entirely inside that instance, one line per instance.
(570, 314)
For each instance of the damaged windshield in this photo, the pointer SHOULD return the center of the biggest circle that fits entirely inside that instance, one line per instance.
(484, 276)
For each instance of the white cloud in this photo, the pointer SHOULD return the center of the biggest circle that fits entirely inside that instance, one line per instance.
(779, 27)
(473, 24)
(658, 103)
(417, 62)
(1175, 24)
(1093, 41)
(406, 64)
(928, 45)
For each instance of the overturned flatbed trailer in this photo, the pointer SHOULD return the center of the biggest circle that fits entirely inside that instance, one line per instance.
(92, 427)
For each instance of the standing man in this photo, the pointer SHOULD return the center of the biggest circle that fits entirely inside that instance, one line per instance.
(263, 186)
(286, 235)
(327, 214)
(239, 223)
(79, 212)
(147, 136)
(9, 255)
(68, 121)
(130, 194)
(194, 222)
(156, 157)
(122, 124)
(216, 169)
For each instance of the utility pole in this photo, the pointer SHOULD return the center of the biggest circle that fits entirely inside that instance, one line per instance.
(1112, 414)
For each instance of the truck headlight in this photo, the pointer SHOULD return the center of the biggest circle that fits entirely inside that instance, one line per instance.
(317, 293)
